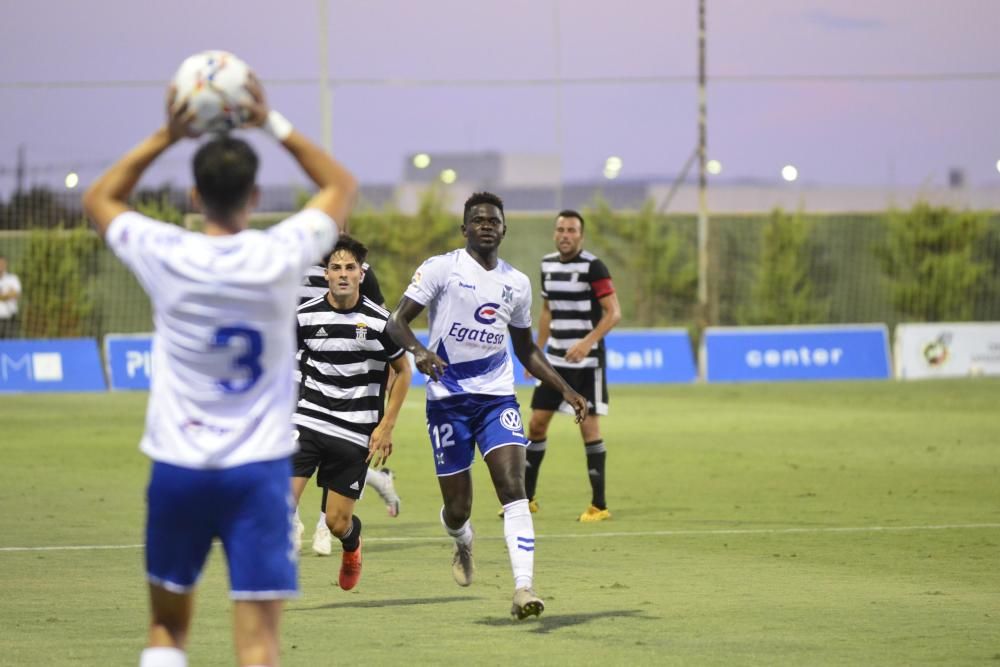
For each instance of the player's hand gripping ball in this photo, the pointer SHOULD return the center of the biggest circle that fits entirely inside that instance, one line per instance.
(213, 84)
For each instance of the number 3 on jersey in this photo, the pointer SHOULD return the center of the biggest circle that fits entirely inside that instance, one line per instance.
(246, 365)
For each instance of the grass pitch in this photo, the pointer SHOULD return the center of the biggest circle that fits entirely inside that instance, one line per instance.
(854, 523)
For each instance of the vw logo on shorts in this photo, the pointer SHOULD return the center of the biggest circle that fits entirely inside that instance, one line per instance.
(486, 313)
(510, 419)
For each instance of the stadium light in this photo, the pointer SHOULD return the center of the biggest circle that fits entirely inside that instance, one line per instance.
(613, 167)
(449, 176)
(998, 165)
(789, 173)
(421, 160)
(72, 180)
(713, 167)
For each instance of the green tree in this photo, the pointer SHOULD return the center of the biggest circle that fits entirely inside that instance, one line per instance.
(57, 277)
(930, 259)
(659, 253)
(400, 242)
(159, 205)
(36, 208)
(783, 291)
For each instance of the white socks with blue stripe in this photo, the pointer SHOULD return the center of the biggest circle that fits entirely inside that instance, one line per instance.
(519, 531)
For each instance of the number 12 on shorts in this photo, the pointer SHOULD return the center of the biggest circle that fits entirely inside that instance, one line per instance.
(443, 435)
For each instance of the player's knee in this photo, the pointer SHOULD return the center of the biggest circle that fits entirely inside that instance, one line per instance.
(537, 428)
(168, 630)
(338, 522)
(510, 488)
(590, 429)
(457, 510)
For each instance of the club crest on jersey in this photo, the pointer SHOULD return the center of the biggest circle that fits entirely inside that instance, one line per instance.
(361, 331)
(486, 313)
(508, 294)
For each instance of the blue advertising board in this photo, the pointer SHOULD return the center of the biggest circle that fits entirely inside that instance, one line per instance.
(835, 352)
(642, 356)
(71, 364)
(128, 360)
(650, 356)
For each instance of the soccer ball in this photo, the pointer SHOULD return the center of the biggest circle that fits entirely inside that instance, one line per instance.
(213, 83)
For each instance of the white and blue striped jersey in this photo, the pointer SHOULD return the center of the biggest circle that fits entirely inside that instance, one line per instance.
(223, 391)
(469, 309)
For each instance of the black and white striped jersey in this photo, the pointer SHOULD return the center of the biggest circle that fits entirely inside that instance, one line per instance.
(573, 289)
(344, 364)
(314, 284)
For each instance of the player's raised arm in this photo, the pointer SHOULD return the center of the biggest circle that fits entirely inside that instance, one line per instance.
(399, 330)
(534, 361)
(338, 188)
(108, 196)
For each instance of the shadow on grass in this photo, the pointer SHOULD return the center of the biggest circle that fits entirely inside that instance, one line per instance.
(377, 604)
(545, 624)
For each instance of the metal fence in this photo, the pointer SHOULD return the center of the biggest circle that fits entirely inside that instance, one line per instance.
(765, 269)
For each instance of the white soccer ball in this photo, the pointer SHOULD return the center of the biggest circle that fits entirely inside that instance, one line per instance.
(213, 83)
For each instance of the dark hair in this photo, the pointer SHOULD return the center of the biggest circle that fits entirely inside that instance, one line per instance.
(351, 245)
(478, 198)
(225, 171)
(570, 213)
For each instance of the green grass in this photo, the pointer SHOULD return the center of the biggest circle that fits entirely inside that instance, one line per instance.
(854, 523)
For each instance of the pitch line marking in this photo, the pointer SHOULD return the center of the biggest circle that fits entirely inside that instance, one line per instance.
(573, 536)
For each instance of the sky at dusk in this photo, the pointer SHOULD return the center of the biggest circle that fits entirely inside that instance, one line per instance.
(875, 92)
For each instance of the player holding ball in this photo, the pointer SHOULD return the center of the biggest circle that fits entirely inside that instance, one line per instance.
(218, 423)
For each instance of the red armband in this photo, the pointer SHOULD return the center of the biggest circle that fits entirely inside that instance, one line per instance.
(602, 287)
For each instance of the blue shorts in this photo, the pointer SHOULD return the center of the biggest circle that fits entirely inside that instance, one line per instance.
(457, 424)
(249, 508)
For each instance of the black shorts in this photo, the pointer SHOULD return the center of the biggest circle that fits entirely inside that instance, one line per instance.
(591, 383)
(341, 464)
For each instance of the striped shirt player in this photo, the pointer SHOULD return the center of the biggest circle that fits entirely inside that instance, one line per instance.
(218, 423)
(314, 285)
(573, 289)
(580, 307)
(344, 358)
(479, 306)
(342, 421)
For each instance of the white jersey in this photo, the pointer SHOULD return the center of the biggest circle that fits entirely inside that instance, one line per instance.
(469, 309)
(223, 392)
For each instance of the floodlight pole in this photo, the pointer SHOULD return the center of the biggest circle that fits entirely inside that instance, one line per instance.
(557, 45)
(325, 95)
(706, 314)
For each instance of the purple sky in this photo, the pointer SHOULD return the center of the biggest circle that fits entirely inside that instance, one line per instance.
(866, 132)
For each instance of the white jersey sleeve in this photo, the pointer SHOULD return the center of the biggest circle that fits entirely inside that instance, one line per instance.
(520, 316)
(429, 280)
(309, 234)
(142, 243)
